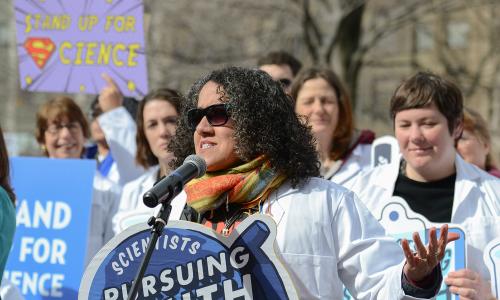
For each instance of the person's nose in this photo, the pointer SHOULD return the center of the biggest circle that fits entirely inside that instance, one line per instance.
(204, 127)
(165, 130)
(64, 132)
(416, 134)
(318, 106)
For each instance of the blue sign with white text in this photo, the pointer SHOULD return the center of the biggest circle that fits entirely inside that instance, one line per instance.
(191, 261)
(53, 205)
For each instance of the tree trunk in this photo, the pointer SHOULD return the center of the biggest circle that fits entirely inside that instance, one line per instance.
(349, 35)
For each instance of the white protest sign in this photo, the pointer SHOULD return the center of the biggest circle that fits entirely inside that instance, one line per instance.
(400, 221)
(385, 149)
(492, 261)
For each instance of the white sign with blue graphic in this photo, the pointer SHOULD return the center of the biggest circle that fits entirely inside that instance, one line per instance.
(492, 260)
(53, 212)
(385, 150)
(191, 261)
(400, 221)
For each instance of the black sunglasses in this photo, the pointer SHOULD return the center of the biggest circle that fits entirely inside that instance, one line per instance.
(217, 115)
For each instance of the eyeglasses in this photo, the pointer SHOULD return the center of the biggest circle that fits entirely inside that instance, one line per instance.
(285, 82)
(217, 115)
(55, 128)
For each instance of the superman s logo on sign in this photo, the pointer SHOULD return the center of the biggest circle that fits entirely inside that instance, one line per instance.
(65, 48)
(40, 50)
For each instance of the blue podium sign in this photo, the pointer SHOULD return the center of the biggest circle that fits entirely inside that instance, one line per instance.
(52, 211)
(191, 261)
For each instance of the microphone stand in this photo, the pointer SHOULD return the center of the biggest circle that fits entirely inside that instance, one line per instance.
(157, 224)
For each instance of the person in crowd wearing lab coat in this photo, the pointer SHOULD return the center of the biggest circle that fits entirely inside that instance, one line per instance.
(9, 291)
(7, 209)
(323, 102)
(475, 144)
(262, 159)
(99, 151)
(433, 179)
(113, 127)
(156, 123)
(61, 131)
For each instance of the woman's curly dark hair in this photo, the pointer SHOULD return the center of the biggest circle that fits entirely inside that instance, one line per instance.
(265, 123)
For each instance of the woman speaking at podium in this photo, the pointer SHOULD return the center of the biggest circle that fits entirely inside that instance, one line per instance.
(262, 159)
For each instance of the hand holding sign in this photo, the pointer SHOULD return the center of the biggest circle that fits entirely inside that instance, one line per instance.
(420, 264)
(110, 96)
(468, 285)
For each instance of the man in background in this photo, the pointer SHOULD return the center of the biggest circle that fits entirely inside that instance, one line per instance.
(282, 66)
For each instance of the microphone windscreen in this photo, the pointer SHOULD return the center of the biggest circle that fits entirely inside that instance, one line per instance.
(199, 162)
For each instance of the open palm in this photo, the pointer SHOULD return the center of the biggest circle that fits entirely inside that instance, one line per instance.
(421, 263)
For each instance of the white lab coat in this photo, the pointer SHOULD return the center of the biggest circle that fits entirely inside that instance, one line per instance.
(327, 238)
(105, 200)
(132, 210)
(358, 161)
(476, 204)
(113, 174)
(9, 291)
(120, 130)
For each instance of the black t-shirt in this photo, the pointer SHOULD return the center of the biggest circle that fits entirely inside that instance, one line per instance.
(434, 200)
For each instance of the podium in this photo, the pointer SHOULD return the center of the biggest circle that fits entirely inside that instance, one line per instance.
(191, 261)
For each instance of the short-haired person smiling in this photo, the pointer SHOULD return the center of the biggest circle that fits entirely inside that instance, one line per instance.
(433, 179)
(262, 159)
(61, 132)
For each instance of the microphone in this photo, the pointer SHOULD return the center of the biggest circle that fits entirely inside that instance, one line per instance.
(170, 186)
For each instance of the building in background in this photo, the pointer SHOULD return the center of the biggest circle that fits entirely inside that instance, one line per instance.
(372, 44)
(456, 39)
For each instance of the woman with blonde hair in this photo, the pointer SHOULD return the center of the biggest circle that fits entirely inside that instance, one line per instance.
(475, 145)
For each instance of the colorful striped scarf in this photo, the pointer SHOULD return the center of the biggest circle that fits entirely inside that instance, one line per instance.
(247, 185)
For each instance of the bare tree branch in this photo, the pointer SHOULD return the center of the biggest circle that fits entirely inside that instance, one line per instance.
(311, 32)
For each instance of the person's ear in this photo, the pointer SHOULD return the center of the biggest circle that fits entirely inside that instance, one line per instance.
(486, 145)
(458, 131)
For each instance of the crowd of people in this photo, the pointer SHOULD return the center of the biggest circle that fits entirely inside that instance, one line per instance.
(281, 139)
